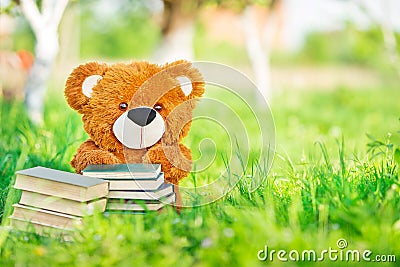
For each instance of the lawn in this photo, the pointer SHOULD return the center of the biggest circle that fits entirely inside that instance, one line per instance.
(329, 181)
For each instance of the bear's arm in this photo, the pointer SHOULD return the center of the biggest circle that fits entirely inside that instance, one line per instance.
(90, 153)
(172, 174)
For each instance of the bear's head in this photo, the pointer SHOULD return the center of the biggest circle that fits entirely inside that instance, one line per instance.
(135, 105)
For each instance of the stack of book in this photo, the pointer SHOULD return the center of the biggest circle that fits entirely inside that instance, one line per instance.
(134, 187)
(54, 201)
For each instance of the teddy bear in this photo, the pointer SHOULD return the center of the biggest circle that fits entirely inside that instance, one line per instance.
(135, 112)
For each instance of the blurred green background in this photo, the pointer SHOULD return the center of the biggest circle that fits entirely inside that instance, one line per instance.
(334, 94)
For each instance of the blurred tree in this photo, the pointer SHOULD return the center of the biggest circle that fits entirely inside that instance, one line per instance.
(255, 22)
(44, 18)
(177, 28)
(178, 31)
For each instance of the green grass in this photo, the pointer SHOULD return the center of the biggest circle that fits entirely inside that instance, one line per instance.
(328, 181)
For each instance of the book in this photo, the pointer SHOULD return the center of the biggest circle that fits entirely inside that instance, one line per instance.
(133, 184)
(123, 171)
(42, 216)
(41, 228)
(132, 205)
(162, 191)
(61, 204)
(61, 184)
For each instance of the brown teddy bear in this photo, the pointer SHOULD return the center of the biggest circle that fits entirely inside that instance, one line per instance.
(135, 113)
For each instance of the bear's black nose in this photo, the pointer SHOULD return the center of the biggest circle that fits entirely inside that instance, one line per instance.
(142, 116)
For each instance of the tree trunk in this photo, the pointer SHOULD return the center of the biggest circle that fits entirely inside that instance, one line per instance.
(44, 24)
(258, 53)
(46, 49)
(177, 34)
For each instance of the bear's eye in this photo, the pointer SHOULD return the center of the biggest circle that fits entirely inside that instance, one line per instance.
(158, 107)
(123, 106)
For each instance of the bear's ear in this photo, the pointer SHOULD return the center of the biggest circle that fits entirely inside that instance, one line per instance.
(189, 78)
(186, 84)
(80, 83)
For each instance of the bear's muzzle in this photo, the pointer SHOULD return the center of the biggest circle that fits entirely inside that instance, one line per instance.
(139, 128)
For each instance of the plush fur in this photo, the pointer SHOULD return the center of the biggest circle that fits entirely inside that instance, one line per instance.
(131, 84)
